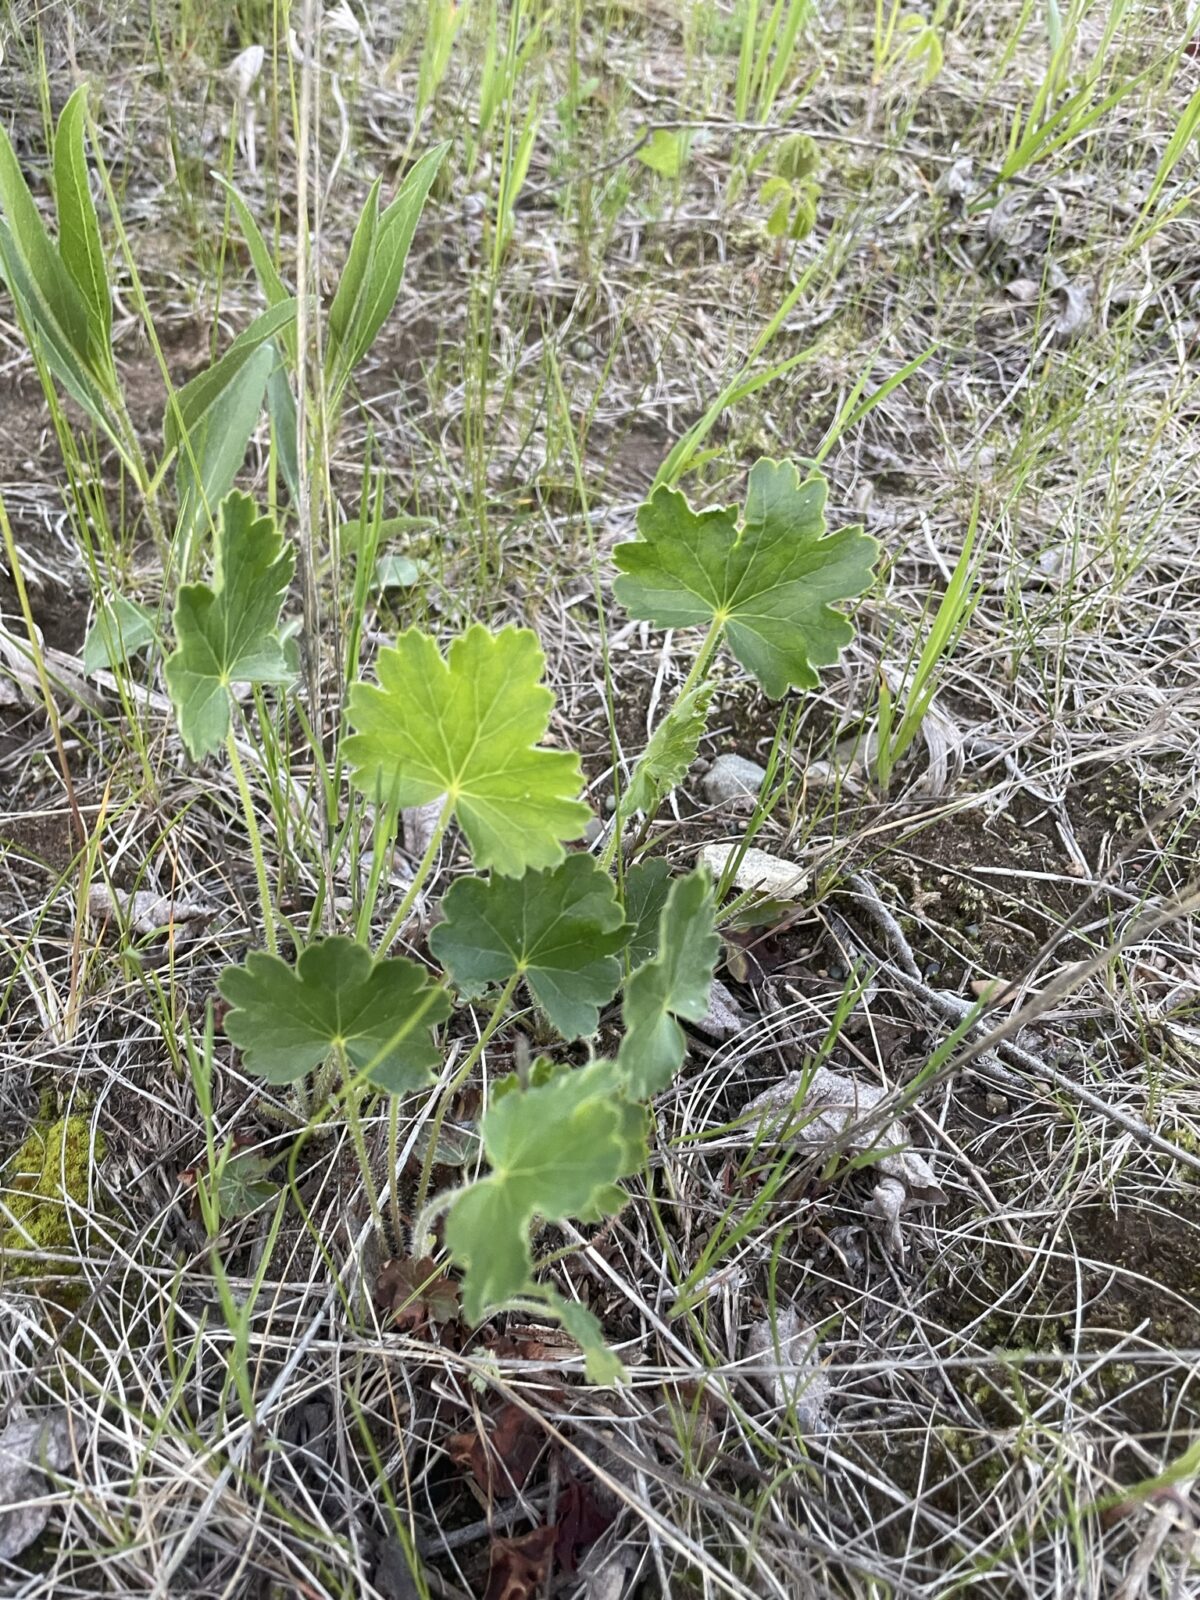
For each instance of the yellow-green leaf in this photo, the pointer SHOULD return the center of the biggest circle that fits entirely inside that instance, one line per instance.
(467, 726)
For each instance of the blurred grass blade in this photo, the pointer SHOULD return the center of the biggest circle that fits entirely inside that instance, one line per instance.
(744, 383)
(854, 409)
(271, 284)
(1187, 130)
(955, 610)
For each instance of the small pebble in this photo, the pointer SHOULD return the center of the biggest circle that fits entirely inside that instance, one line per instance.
(732, 780)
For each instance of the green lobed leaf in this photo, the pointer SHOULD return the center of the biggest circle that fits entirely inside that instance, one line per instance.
(288, 1020)
(556, 1150)
(647, 885)
(665, 152)
(245, 1183)
(560, 930)
(465, 726)
(79, 241)
(675, 983)
(798, 156)
(665, 761)
(770, 577)
(122, 628)
(602, 1366)
(228, 633)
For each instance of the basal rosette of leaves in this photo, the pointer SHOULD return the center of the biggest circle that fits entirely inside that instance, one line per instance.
(534, 922)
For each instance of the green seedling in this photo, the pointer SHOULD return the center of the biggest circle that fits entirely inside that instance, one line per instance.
(790, 194)
(905, 38)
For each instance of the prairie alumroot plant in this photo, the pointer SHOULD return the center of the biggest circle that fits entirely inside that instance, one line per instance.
(465, 729)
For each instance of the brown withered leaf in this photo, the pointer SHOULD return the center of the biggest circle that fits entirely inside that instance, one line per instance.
(501, 1460)
(519, 1566)
(413, 1291)
(581, 1517)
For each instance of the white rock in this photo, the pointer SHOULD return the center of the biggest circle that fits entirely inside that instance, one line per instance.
(766, 874)
(831, 1106)
(789, 1367)
(732, 780)
(26, 1446)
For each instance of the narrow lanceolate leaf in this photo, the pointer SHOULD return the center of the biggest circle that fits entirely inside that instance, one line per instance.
(281, 408)
(211, 419)
(771, 577)
(207, 389)
(64, 361)
(228, 633)
(37, 253)
(267, 273)
(216, 443)
(665, 761)
(346, 313)
(560, 930)
(79, 241)
(375, 266)
(556, 1150)
(466, 726)
(288, 1020)
(122, 628)
(675, 983)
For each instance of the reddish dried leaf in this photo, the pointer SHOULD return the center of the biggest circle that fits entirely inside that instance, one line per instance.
(415, 1292)
(519, 1566)
(500, 1461)
(581, 1518)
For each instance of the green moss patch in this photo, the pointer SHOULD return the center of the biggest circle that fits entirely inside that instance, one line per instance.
(50, 1170)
